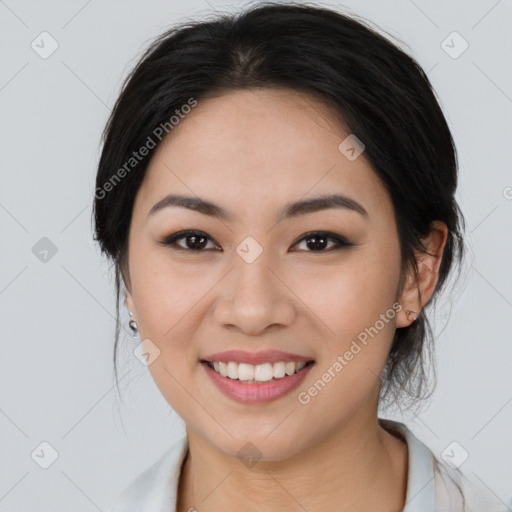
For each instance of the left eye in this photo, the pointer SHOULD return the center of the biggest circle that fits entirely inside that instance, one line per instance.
(197, 240)
(315, 241)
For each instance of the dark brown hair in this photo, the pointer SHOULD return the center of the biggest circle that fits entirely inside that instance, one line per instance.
(379, 92)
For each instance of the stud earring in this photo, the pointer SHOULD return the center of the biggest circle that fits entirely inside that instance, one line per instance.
(132, 324)
(409, 311)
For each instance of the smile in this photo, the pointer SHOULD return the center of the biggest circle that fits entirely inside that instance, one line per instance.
(264, 382)
(254, 374)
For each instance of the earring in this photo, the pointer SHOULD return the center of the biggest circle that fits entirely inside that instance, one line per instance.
(132, 324)
(408, 312)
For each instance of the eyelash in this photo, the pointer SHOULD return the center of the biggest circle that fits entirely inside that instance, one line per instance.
(341, 242)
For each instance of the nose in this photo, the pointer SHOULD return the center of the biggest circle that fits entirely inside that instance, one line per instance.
(254, 299)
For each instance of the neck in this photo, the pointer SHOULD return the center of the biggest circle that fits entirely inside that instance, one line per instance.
(361, 466)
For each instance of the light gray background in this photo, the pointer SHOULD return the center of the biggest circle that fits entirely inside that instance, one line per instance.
(56, 380)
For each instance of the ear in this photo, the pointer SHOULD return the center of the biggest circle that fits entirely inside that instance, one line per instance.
(130, 304)
(127, 286)
(420, 286)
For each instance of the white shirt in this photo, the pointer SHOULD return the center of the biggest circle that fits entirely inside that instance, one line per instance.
(428, 490)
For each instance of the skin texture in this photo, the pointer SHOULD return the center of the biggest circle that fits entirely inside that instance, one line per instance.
(252, 152)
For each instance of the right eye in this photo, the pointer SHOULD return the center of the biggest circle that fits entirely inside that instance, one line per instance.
(195, 241)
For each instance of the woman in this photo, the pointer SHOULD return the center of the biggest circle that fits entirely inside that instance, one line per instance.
(276, 192)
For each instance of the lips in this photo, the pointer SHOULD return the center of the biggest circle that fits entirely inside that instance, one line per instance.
(252, 392)
(255, 358)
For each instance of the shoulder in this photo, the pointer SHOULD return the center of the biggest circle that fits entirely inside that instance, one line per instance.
(156, 487)
(455, 488)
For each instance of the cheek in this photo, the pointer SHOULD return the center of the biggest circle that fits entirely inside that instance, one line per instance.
(166, 292)
(354, 352)
(168, 299)
(351, 295)
(354, 301)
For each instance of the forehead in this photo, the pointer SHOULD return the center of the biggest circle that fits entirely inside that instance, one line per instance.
(260, 147)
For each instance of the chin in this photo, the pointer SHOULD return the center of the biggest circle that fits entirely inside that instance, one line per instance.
(251, 447)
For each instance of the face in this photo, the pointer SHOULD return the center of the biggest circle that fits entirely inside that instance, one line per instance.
(258, 279)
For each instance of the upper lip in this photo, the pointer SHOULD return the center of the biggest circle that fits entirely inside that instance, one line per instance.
(254, 358)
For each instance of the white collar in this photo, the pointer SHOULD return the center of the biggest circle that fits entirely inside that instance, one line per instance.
(420, 495)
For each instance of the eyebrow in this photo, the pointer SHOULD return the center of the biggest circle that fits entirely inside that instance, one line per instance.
(294, 209)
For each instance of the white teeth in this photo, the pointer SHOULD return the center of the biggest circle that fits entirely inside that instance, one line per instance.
(263, 372)
(257, 373)
(223, 369)
(232, 370)
(289, 368)
(279, 370)
(245, 371)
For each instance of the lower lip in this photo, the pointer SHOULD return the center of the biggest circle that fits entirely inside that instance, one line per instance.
(254, 393)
